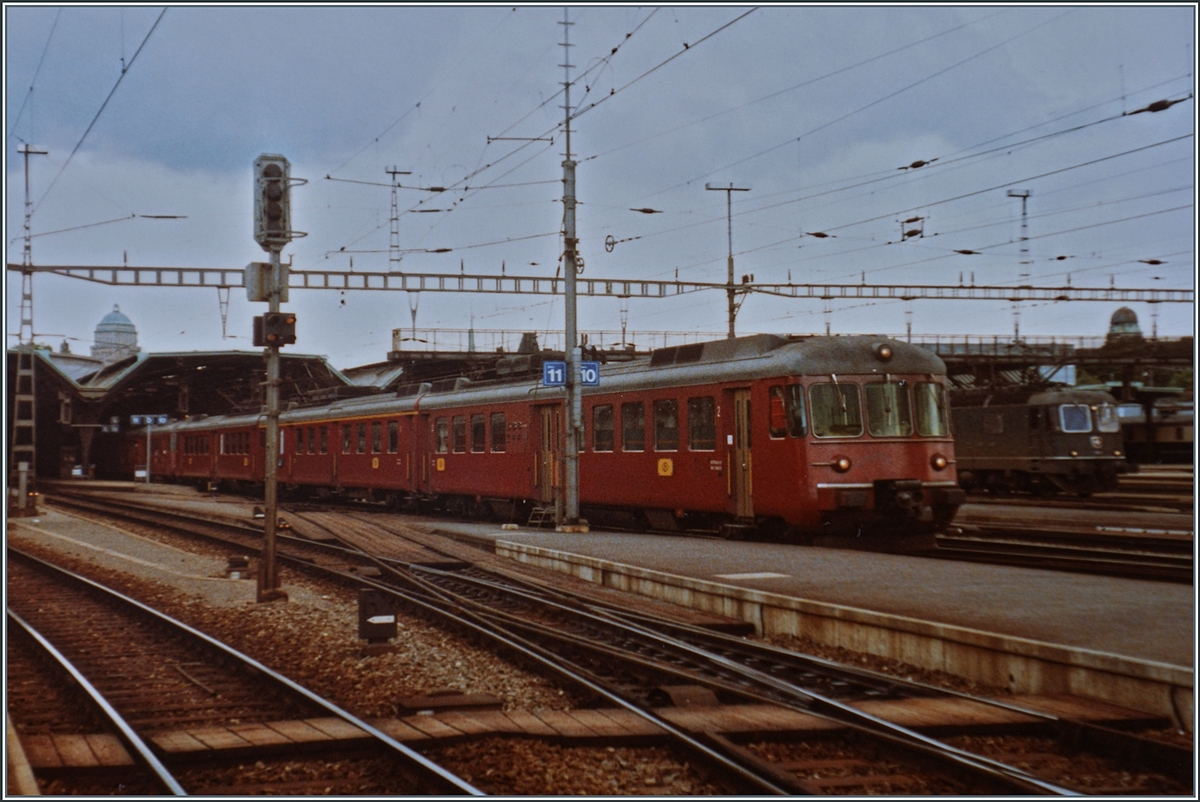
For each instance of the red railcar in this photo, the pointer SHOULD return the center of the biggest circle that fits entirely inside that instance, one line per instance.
(812, 436)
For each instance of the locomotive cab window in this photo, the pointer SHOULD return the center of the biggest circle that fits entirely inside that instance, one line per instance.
(835, 410)
(499, 432)
(933, 413)
(442, 434)
(602, 427)
(1074, 418)
(666, 425)
(888, 413)
(785, 411)
(702, 424)
(633, 427)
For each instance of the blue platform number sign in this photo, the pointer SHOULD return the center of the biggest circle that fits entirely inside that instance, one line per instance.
(589, 374)
(554, 373)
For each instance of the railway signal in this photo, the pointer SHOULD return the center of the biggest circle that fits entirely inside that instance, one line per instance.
(272, 201)
(275, 328)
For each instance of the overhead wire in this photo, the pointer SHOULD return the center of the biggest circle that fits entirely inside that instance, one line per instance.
(124, 71)
(36, 72)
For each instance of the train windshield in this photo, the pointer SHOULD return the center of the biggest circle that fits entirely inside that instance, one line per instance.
(835, 410)
(932, 420)
(888, 413)
(1106, 418)
(1075, 418)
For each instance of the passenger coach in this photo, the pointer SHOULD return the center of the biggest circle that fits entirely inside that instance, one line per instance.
(798, 437)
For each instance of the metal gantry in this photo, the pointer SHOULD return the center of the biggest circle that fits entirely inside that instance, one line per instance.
(125, 276)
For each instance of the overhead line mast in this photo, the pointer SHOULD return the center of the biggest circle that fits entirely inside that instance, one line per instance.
(569, 519)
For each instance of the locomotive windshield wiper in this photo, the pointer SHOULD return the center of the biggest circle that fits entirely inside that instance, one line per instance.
(838, 387)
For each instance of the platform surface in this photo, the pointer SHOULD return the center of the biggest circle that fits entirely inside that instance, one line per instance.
(1127, 617)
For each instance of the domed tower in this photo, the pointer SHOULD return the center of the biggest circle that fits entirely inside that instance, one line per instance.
(116, 337)
(1124, 327)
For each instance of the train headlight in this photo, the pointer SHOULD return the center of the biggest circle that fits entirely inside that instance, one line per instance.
(841, 464)
(938, 462)
(1074, 453)
(883, 352)
(1117, 453)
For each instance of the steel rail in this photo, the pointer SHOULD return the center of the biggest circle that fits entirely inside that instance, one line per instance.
(810, 701)
(442, 780)
(132, 740)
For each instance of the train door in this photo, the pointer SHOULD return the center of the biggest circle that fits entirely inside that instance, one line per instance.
(420, 453)
(546, 455)
(742, 467)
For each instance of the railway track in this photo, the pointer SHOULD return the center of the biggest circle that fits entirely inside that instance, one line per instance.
(659, 661)
(167, 685)
(1143, 556)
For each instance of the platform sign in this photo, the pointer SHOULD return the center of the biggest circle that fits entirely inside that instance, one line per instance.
(554, 373)
(589, 374)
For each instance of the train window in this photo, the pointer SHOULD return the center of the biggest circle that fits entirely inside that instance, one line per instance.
(324, 439)
(347, 438)
(1075, 417)
(362, 438)
(702, 424)
(1106, 418)
(460, 433)
(478, 434)
(312, 440)
(933, 419)
(393, 436)
(223, 443)
(797, 426)
(376, 437)
(602, 427)
(888, 413)
(299, 439)
(499, 432)
(633, 427)
(666, 425)
(776, 424)
(835, 410)
(443, 436)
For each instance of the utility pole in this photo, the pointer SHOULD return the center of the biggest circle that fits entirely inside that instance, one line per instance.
(570, 521)
(23, 463)
(1023, 194)
(730, 289)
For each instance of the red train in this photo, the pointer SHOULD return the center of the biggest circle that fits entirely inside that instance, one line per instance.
(802, 437)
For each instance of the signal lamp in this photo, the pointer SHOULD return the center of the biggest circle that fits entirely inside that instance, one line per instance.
(272, 202)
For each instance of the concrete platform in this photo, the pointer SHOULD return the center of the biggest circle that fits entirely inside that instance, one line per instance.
(1129, 642)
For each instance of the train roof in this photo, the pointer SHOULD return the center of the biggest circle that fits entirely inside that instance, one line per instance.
(749, 358)
(1033, 395)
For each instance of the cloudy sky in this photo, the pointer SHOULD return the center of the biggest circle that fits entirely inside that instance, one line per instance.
(815, 110)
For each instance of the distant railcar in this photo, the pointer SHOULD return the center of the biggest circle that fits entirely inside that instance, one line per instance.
(1167, 435)
(1041, 440)
(800, 437)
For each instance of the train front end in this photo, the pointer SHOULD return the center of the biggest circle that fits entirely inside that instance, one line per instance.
(880, 457)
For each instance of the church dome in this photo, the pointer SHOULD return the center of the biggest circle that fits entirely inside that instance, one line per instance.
(116, 337)
(1124, 327)
(1124, 316)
